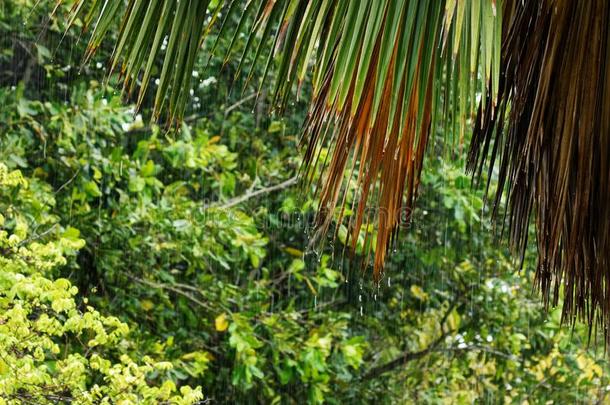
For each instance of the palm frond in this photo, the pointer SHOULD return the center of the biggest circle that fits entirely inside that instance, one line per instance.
(148, 29)
(384, 72)
(554, 93)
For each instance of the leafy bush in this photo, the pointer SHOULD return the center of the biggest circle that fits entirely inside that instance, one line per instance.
(54, 347)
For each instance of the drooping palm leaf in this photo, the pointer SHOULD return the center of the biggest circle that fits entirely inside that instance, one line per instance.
(387, 72)
(379, 70)
(376, 93)
(150, 28)
(554, 153)
(383, 70)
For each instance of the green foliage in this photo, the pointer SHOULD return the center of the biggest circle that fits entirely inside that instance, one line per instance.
(136, 263)
(53, 346)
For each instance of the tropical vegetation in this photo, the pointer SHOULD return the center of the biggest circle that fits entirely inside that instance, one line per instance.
(163, 238)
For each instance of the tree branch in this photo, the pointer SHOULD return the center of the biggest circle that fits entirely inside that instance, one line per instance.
(173, 289)
(37, 236)
(245, 197)
(240, 102)
(68, 182)
(406, 357)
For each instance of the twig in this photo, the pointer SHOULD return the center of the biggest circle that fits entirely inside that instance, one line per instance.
(196, 117)
(409, 356)
(481, 348)
(322, 305)
(240, 102)
(245, 197)
(68, 182)
(37, 236)
(172, 289)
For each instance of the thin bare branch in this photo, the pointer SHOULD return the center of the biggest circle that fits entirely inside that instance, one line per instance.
(245, 197)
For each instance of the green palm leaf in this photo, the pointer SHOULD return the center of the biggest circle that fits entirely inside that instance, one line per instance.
(378, 70)
(385, 73)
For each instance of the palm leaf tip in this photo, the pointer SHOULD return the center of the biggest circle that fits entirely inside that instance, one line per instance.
(554, 151)
(378, 68)
(388, 72)
(378, 82)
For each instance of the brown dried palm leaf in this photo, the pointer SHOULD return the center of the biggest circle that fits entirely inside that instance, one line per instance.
(386, 72)
(383, 72)
(549, 131)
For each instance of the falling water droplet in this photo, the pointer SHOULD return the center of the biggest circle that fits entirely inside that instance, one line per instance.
(361, 313)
